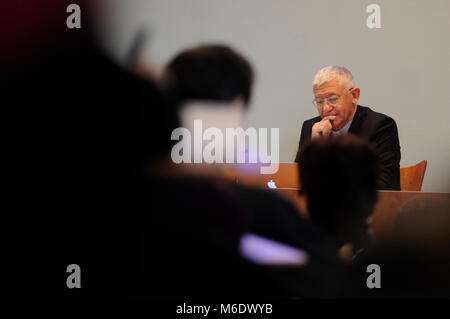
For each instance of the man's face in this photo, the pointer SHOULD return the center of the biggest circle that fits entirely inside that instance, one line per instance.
(342, 102)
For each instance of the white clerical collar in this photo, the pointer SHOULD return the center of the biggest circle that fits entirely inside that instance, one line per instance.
(344, 129)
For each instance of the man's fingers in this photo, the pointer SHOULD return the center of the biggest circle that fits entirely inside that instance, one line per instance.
(326, 124)
(322, 128)
(329, 118)
(317, 129)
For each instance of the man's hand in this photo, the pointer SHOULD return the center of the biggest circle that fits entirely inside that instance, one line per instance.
(322, 128)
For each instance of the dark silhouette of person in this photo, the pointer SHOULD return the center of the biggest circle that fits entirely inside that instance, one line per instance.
(338, 183)
(81, 130)
(216, 76)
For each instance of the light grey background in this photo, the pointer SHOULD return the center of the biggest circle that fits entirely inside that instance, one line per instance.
(403, 69)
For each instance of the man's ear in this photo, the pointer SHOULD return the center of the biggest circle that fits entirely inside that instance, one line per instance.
(355, 95)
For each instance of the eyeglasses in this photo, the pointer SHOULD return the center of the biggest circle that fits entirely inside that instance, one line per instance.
(332, 100)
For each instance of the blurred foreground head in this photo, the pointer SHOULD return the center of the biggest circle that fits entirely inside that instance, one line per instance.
(210, 73)
(339, 180)
(210, 83)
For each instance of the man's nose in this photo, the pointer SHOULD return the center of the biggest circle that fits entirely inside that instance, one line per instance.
(327, 107)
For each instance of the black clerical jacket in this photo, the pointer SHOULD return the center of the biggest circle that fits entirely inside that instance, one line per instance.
(381, 131)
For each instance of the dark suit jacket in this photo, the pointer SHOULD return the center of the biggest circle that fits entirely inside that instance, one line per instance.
(381, 131)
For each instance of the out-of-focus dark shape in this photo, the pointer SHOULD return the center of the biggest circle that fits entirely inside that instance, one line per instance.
(425, 223)
(80, 130)
(135, 60)
(338, 177)
(415, 261)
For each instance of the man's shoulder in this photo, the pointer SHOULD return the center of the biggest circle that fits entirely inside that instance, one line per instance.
(370, 124)
(370, 115)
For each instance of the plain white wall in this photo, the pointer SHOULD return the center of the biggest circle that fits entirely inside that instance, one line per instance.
(403, 69)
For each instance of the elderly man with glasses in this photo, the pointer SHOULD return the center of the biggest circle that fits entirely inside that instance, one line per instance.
(336, 97)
